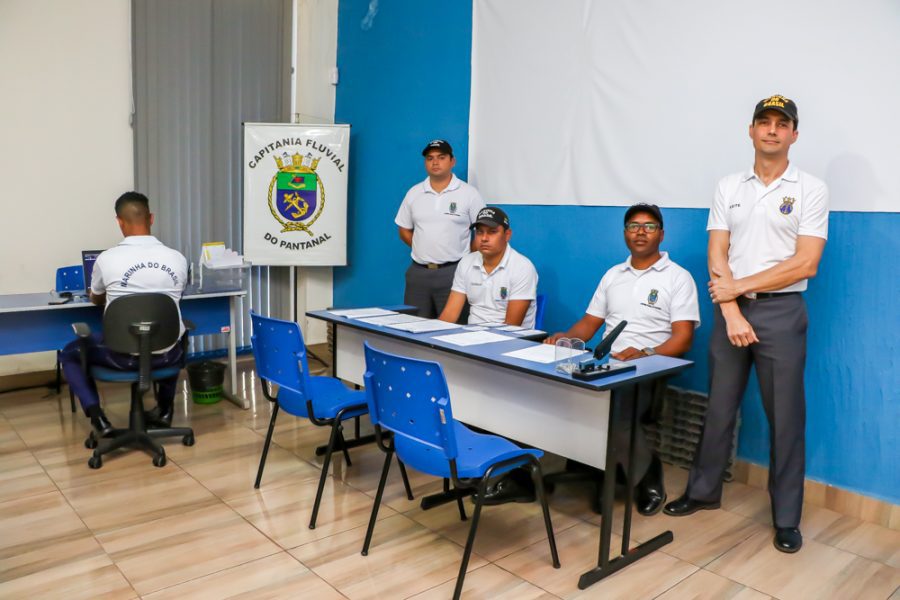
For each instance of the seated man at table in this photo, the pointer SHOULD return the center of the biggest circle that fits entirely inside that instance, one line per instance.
(658, 299)
(138, 264)
(499, 283)
(501, 287)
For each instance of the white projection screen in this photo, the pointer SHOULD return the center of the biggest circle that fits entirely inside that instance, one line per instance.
(611, 102)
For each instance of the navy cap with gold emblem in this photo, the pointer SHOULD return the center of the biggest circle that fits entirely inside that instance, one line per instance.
(779, 103)
(492, 217)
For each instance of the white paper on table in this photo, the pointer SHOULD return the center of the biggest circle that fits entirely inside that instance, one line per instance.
(391, 319)
(510, 328)
(472, 338)
(424, 326)
(523, 332)
(492, 324)
(474, 328)
(544, 353)
(356, 313)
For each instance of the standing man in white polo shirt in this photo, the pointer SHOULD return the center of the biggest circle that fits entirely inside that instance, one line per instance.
(658, 299)
(499, 283)
(139, 264)
(767, 230)
(434, 220)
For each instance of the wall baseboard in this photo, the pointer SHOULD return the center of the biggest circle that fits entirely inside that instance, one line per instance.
(17, 381)
(827, 496)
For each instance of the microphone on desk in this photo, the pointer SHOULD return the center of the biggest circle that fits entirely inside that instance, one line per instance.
(604, 347)
(592, 369)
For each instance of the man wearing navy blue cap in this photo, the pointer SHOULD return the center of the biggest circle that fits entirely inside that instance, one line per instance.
(434, 220)
(767, 230)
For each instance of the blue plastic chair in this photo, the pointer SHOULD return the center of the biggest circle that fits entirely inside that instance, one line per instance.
(409, 399)
(68, 279)
(280, 355)
(540, 303)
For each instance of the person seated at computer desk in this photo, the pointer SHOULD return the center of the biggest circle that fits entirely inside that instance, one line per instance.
(138, 264)
(658, 300)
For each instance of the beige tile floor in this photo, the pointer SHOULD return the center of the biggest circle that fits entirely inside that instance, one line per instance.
(196, 528)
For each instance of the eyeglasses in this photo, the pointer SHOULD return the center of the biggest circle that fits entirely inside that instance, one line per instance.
(633, 227)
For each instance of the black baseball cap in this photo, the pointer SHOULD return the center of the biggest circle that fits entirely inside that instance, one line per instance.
(492, 217)
(443, 146)
(650, 209)
(779, 103)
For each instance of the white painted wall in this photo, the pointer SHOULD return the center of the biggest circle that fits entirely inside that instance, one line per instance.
(316, 57)
(67, 150)
(65, 106)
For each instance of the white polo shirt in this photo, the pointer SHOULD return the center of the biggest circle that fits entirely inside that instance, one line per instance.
(440, 220)
(650, 300)
(515, 278)
(764, 221)
(140, 264)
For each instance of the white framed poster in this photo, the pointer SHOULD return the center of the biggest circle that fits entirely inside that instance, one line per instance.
(295, 194)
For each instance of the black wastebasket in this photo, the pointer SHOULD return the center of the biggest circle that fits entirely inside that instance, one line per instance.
(206, 379)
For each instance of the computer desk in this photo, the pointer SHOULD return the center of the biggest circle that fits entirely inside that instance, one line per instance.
(529, 402)
(28, 323)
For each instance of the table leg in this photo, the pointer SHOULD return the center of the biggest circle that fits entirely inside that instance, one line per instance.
(606, 567)
(232, 393)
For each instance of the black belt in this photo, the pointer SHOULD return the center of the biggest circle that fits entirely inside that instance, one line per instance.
(435, 265)
(764, 295)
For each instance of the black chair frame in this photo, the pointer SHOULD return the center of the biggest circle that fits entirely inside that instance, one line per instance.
(336, 441)
(138, 434)
(384, 440)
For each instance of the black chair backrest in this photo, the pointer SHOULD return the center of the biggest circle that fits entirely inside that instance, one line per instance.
(126, 318)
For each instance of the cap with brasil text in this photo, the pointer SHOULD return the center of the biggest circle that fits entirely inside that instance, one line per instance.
(442, 146)
(492, 217)
(779, 103)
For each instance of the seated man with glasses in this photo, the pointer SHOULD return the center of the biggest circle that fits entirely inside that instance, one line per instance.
(658, 299)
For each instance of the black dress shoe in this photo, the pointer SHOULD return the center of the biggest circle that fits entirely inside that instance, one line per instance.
(685, 506)
(788, 539)
(506, 490)
(159, 416)
(650, 493)
(101, 425)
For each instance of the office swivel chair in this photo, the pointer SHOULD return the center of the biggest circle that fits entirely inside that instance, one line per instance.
(138, 324)
(68, 279)
(409, 404)
(280, 355)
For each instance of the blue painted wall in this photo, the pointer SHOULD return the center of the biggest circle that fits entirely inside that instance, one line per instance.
(405, 80)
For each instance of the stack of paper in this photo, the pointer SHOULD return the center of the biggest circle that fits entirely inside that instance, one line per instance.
(216, 256)
(391, 319)
(544, 353)
(472, 338)
(359, 313)
(424, 326)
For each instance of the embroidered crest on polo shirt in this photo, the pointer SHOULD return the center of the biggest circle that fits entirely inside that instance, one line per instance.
(787, 206)
(453, 208)
(503, 293)
(652, 297)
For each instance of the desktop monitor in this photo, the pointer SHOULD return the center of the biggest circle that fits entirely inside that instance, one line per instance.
(88, 258)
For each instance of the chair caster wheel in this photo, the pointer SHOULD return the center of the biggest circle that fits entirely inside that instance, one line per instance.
(159, 460)
(95, 462)
(188, 440)
(91, 442)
